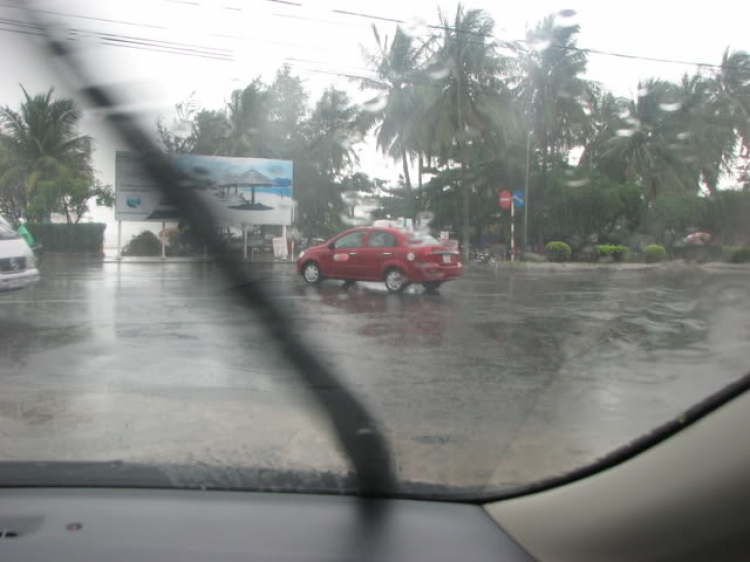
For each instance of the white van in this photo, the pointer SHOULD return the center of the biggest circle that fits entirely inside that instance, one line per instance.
(17, 263)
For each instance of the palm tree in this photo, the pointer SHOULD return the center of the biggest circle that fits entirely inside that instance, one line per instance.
(43, 136)
(331, 132)
(728, 107)
(330, 135)
(397, 65)
(605, 120)
(647, 149)
(553, 90)
(467, 103)
(250, 132)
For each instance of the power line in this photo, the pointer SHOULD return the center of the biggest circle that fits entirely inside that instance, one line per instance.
(80, 16)
(115, 40)
(209, 52)
(586, 50)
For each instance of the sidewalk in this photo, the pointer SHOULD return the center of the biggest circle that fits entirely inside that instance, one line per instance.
(190, 259)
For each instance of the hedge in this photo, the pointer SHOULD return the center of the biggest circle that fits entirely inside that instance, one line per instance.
(558, 251)
(741, 255)
(85, 238)
(654, 253)
(144, 244)
(613, 252)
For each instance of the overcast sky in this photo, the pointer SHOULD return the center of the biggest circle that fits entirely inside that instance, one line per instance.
(261, 35)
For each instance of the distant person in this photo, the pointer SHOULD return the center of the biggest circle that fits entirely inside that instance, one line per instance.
(25, 234)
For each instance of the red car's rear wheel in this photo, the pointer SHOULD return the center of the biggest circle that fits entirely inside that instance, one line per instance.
(395, 280)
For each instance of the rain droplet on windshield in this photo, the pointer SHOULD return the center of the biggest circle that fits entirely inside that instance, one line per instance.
(376, 104)
(625, 132)
(507, 51)
(684, 135)
(634, 121)
(670, 106)
(578, 183)
(423, 220)
(540, 44)
(416, 27)
(438, 72)
(566, 18)
(348, 139)
(352, 221)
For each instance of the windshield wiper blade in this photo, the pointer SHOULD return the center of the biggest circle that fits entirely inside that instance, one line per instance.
(354, 427)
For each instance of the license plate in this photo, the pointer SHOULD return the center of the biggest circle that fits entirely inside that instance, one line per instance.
(446, 258)
(11, 283)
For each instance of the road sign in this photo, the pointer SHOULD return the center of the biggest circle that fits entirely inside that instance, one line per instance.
(518, 199)
(505, 199)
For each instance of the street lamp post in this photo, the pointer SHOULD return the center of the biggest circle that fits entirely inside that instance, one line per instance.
(526, 194)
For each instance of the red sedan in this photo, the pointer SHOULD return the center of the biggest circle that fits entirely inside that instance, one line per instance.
(392, 255)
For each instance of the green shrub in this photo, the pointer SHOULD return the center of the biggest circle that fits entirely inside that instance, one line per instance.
(558, 251)
(727, 252)
(741, 255)
(144, 244)
(613, 252)
(654, 253)
(85, 238)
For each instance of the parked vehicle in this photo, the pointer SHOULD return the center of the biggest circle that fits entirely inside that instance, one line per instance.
(393, 255)
(17, 262)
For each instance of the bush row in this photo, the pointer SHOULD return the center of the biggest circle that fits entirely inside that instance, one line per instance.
(654, 253)
(86, 238)
(613, 252)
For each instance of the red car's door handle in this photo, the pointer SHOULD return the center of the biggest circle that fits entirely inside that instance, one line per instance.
(386, 253)
(352, 253)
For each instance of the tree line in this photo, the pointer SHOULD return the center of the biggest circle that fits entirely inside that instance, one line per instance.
(466, 116)
(474, 115)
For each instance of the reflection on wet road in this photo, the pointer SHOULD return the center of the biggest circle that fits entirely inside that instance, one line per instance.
(508, 376)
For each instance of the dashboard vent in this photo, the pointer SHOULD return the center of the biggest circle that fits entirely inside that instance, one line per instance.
(8, 534)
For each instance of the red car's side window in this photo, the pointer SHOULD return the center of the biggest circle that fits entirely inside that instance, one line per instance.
(351, 240)
(380, 239)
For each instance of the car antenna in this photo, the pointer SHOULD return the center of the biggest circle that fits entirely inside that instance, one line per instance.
(354, 427)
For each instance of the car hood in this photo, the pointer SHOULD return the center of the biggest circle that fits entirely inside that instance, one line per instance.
(14, 248)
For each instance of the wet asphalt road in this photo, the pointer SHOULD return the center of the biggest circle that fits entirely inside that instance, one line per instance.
(507, 376)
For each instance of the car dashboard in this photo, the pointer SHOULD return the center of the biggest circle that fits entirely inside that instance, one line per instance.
(181, 525)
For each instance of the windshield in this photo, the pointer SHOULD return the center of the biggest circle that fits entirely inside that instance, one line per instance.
(593, 190)
(424, 239)
(7, 233)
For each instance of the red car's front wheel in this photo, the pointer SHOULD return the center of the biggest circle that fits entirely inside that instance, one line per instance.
(311, 273)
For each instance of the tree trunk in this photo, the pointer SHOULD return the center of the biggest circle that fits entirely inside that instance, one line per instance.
(524, 248)
(407, 184)
(407, 177)
(465, 214)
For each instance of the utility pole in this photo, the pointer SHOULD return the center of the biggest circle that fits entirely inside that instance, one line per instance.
(526, 194)
(512, 229)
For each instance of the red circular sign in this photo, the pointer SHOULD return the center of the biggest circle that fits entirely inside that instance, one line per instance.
(505, 199)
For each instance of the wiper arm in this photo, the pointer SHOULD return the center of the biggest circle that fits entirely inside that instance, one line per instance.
(354, 426)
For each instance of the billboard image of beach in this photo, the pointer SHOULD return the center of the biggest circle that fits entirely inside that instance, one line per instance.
(237, 190)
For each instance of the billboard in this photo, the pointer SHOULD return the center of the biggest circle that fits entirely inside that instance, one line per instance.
(236, 190)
